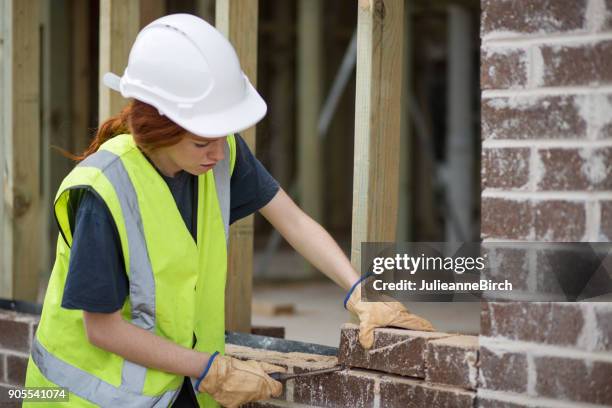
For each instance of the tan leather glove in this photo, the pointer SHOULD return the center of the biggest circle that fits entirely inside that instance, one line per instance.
(380, 314)
(232, 382)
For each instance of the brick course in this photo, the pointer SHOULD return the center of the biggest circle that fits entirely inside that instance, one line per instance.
(503, 69)
(574, 379)
(577, 64)
(533, 16)
(406, 393)
(533, 117)
(506, 218)
(394, 351)
(504, 371)
(505, 168)
(452, 360)
(16, 331)
(445, 364)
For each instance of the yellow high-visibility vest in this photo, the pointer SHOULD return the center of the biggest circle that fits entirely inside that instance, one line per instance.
(176, 285)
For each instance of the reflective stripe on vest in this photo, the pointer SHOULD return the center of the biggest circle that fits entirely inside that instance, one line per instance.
(142, 293)
(90, 387)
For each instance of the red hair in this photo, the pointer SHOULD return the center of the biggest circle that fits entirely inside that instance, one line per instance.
(149, 129)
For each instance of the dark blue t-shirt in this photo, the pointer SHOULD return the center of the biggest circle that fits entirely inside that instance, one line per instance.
(97, 281)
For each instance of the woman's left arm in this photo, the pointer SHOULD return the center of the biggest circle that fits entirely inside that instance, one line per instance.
(316, 245)
(309, 239)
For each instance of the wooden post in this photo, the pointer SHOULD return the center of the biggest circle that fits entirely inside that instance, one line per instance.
(309, 104)
(81, 75)
(119, 25)
(309, 152)
(21, 231)
(404, 231)
(237, 20)
(281, 107)
(206, 10)
(151, 10)
(377, 123)
(57, 117)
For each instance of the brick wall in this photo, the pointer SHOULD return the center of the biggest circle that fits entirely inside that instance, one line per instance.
(403, 369)
(546, 78)
(16, 333)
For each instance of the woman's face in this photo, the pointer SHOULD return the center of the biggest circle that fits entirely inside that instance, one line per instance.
(197, 155)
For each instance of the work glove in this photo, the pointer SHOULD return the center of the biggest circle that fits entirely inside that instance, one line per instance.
(232, 382)
(380, 314)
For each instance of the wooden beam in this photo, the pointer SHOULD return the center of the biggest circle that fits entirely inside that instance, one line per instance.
(206, 10)
(237, 20)
(377, 123)
(406, 195)
(82, 71)
(309, 152)
(151, 10)
(280, 109)
(21, 230)
(119, 25)
(57, 116)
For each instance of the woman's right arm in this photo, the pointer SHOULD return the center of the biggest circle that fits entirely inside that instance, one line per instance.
(110, 332)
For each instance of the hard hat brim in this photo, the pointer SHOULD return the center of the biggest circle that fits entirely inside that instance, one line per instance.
(246, 113)
(239, 117)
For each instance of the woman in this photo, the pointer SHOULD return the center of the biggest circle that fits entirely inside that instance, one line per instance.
(134, 311)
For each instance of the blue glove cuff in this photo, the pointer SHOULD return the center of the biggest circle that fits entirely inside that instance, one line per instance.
(348, 295)
(201, 377)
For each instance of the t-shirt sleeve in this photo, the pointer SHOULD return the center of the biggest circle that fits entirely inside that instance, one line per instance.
(96, 280)
(252, 186)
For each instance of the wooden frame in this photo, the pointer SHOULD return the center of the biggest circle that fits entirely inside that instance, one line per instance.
(377, 123)
(237, 20)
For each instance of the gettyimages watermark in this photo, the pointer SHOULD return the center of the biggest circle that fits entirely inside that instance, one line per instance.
(464, 272)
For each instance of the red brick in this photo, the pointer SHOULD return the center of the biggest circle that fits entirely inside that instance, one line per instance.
(583, 64)
(533, 16)
(15, 329)
(503, 218)
(574, 379)
(606, 221)
(520, 117)
(347, 388)
(608, 19)
(452, 361)
(502, 370)
(502, 69)
(505, 168)
(576, 169)
(16, 369)
(560, 221)
(547, 323)
(406, 393)
(507, 263)
(394, 350)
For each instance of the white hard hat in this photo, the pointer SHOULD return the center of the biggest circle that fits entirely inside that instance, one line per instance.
(190, 72)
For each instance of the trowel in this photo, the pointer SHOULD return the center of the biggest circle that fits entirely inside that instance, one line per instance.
(289, 376)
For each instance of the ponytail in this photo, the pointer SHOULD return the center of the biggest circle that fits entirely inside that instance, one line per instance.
(149, 129)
